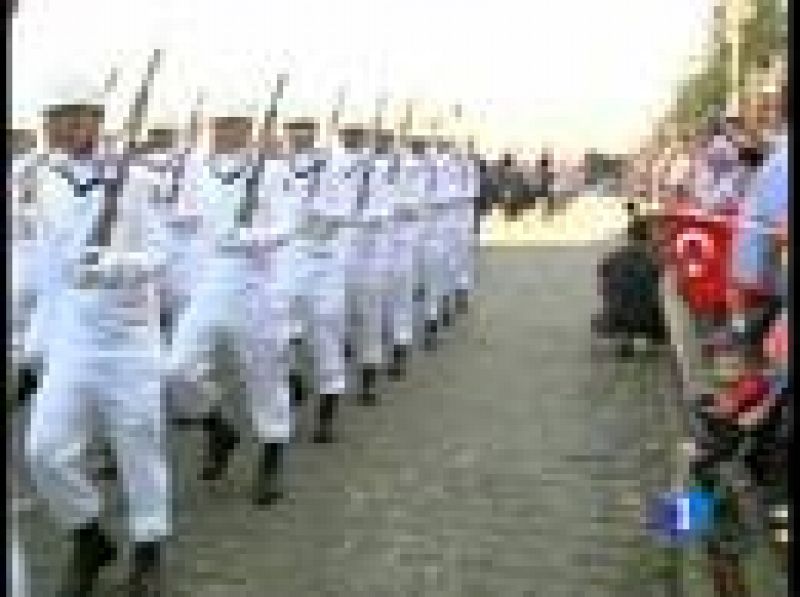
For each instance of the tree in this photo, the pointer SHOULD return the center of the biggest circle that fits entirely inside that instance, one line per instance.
(762, 35)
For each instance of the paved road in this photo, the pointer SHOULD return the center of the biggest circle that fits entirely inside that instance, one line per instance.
(509, 463)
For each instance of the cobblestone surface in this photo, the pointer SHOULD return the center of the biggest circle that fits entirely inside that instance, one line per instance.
(509, 463)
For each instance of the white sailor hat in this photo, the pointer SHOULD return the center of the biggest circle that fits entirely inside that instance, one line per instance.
(74, 93)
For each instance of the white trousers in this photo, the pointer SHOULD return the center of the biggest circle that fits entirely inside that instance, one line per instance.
(368, 275)
(120, 395)
(321, 309)
(460, 249)
(402, 278)
(435, 265)
(243, 321)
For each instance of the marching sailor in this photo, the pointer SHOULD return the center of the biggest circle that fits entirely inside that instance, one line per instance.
(365, 270)
(235, 312)
(434, 262)
(415, 180)
(468, 185)
(102, 356)
(152, 182)
(324, 247)
(25, 242)
(200, 307)
(395, 190)
(449, 224)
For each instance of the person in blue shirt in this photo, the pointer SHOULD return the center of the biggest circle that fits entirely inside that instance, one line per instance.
(764, 215)
(765, 210)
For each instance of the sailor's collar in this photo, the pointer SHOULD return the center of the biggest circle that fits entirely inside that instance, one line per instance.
(228, 168)
(83, 175)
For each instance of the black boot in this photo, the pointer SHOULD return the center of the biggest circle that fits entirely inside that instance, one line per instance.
(447, 312)
(298, 393)
(327, 410)
(431, 329)
(369, 377)
(105, 464)
(266, 489)
(462, 301)
(397, 369)
(27, 384)
(145, 576)
(91, 550)
(221, 439)
(348, 351)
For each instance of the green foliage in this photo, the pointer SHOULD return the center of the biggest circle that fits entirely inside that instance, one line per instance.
(762, 36)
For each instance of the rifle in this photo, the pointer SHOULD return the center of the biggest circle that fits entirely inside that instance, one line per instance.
(101, 233)
(319, 164)
(247, 209)
(336, 113)
(179, 171)
(403, 129)
(377, 121)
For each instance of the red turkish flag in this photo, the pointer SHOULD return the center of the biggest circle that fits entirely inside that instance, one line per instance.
(698, 252)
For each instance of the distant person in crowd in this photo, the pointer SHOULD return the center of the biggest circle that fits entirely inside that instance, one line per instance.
(547, 180)
(511, 187)
(486, 190)
(719, 174)
(629, 289)
(760, 242)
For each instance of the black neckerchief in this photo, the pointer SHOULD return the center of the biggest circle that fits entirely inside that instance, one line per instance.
(362, 196)
(316, 166)
(79, 188)
(432, 182)
(313, 173)
(229, 177)
(394, 167)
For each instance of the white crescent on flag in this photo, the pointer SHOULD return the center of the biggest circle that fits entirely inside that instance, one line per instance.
(694, 264)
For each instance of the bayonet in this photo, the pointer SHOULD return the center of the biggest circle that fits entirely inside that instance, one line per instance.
(102, 232)
(250, 200)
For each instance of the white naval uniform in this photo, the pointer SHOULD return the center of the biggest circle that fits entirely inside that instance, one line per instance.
(449, 192)
(325, 246)
(240, 299)
(179, 217)
(464, 219)
(368, 266)
(24, 223)
(383, 193)
(202, 289)
(400, 205)
(435, 245)
(26, 242)
(408, 233)
(102, 351)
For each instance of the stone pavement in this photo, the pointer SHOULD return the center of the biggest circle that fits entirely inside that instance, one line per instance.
(511, 462)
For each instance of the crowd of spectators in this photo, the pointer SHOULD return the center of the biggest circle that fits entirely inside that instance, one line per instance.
(729, 180)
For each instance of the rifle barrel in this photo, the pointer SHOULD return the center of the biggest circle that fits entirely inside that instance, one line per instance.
(102, 232)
